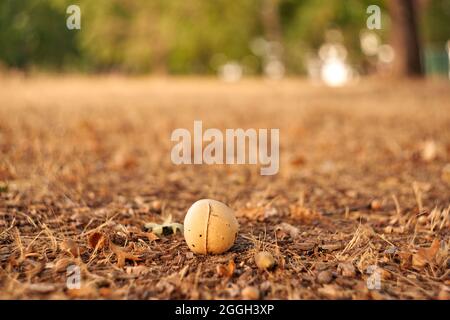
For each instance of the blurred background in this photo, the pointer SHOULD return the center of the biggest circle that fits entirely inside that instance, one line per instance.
(325, 40)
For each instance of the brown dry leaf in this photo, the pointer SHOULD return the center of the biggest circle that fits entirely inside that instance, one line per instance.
(303, 214)
(331, 291)
(13, 262)
(444, 293)
(62, 264)
(250, 293)
(41, 287)
(137, 270)
(151, 236)
(405, 259)
(231, 268)
(86, 292)
(226, 271)
(97, 240)
(123, 255)
(105, 292)
(7, 172)
(123, 159)
(298, 160)
(71, 247)
(425, 256)
(445, 175)
(251, 213)
(33, 268)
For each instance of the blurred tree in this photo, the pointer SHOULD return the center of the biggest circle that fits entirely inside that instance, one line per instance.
(197, 36)
(34, 33)
(405, 38)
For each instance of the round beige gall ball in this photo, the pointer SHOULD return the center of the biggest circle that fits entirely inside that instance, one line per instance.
(210, 227)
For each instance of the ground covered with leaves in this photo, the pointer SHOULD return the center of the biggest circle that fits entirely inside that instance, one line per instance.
(359, 209)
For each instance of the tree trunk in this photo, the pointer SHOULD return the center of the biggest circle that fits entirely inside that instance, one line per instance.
(405, 38)
(271, 20)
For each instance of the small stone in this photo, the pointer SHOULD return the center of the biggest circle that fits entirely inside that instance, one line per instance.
(375, 205)
(324, 277)
(250, 293)
(288, 229)
(156, 206)
(189, 255)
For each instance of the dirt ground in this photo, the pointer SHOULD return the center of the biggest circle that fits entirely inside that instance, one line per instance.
(359, 208)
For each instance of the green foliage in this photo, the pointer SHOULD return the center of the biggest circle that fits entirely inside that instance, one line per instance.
(196, 36)
(436, 23)
(34, 33)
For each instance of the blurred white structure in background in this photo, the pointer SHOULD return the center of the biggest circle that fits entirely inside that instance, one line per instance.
(370, 42)
(269, 52)
(372, 47)
(274, 69)
(230, 72)
(386, 54)
(313, 67)
(334, 70)
(259, 47)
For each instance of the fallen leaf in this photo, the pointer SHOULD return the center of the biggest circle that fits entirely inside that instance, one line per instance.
(41, 287)
(151, 236)
(405, 259)
(105, 292)
(62, 264)
(85, 292)
(226, 271)
(137, 270)
(332, 291)
(183, 272)
(251, 213)
(444, 293)
(303, 214)
(298, 161)
(425, 256)
(123, 255)
(33, 268)
(250, 293)
(97, 240)
(123, 159)
(445, 175)
(71, 247)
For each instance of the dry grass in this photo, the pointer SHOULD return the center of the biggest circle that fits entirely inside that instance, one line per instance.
(361, 184)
